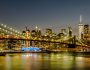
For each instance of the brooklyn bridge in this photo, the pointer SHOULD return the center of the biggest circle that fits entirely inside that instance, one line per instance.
(12, 38)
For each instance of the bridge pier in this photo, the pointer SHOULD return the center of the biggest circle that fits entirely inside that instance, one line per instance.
(27, 43)
(72, 43)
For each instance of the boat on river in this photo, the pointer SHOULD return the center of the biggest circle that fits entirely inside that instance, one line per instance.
(34, 50)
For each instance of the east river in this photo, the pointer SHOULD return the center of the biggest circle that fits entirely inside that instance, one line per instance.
(45, 61)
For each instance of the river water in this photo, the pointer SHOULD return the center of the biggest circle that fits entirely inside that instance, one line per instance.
(45, 61)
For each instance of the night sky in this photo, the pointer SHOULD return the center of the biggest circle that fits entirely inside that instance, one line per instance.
(55, 14)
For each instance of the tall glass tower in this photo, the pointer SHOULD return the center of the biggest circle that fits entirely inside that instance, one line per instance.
(81, 27)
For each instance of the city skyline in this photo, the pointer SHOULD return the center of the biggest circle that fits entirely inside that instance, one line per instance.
(54, 14)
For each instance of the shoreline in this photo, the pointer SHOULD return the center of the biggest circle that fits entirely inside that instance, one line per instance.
(77, 50)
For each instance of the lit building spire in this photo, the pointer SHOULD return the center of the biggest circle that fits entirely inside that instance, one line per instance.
(80, 18)
(80, 28)
(36, 27)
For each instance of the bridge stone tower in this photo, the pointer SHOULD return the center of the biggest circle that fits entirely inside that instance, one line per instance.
(27, 36)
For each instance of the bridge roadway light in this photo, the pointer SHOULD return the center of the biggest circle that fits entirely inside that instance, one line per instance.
(10, 28)
(13, 30)
(16, 31)
(10, 32)
(5, 26)
(36, 27)
(1, 24)
(6, 30)
(3, 29)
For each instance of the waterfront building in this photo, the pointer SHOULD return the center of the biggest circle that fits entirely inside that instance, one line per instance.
(69, 32)
(64, 32)
(33, 33)
(36, 33)
(86, 29)
(26, 33)
(39, 33)
(48, 32)
(60, 35)
(86, 35)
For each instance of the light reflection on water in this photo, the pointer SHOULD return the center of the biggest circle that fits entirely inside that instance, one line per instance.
(44, 61)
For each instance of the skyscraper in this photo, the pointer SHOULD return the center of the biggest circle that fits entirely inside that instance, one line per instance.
(69, 31)
(86, 32)
(64, 31)
(86, 29)
(81, 27)
(48, 32)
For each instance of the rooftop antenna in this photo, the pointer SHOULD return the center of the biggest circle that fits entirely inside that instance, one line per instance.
(26, 28)
(80, 18)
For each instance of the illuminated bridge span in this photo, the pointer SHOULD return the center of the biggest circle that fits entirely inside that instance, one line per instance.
(40, 40)
(8, 33)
